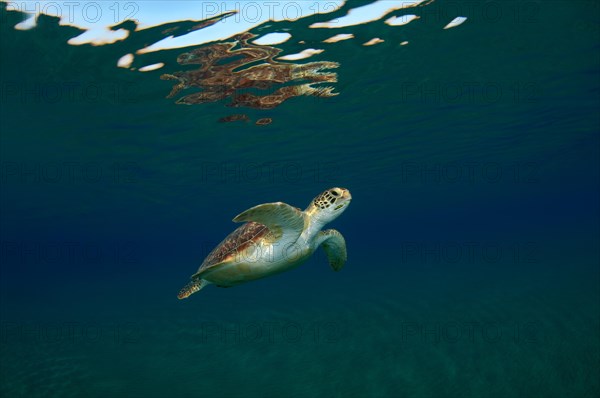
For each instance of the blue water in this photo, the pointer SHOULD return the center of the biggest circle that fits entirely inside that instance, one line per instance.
(473, 158)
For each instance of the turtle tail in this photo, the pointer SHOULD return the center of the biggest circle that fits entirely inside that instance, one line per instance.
(191, 288)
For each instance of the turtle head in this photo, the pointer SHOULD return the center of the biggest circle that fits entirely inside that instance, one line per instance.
(329, 205)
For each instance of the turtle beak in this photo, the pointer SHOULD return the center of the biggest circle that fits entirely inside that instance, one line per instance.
(345, 199)
(346, 194)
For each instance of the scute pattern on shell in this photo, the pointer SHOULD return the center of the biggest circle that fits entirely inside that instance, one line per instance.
(236, 241)
(324, 200)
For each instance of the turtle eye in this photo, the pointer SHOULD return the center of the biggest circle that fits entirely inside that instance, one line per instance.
(334, 193)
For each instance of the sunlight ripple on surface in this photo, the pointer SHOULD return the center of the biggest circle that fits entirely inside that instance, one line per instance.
(309, 52)
(455, 22)
(368, 13)
(340, 37)
(273, 38)
(399, 21)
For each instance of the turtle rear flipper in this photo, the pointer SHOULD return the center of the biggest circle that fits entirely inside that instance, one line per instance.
(191, 288)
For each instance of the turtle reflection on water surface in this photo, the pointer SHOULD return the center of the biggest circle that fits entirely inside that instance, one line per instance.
(221, 75)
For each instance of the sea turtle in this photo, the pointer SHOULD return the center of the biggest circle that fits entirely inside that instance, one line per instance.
(275, 238)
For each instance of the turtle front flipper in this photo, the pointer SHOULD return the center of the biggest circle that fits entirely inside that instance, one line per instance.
(334, 245)
(279, 217)
(191, 288)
